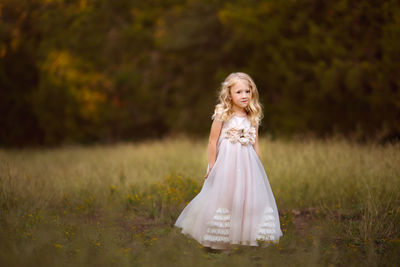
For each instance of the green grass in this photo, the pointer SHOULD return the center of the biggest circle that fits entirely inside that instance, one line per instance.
(115, 205)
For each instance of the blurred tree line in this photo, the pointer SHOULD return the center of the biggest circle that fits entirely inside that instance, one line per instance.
(105, 70)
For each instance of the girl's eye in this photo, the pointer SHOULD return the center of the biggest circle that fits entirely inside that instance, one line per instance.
(248, 91)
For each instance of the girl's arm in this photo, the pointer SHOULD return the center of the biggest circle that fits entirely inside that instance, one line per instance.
(212, 143)
(255, 146)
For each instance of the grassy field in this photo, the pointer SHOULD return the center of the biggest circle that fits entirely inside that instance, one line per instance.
(339, 204)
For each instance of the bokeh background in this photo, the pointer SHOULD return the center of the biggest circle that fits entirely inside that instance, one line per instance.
(105, 111)
(88, 71)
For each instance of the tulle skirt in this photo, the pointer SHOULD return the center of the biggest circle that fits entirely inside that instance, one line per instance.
(235, 205)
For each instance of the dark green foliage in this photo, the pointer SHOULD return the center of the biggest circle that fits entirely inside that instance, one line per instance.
(87, 71)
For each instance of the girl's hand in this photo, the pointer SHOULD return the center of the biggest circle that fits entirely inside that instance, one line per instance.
(209, 170)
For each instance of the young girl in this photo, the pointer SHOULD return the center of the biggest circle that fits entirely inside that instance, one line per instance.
(235, 204)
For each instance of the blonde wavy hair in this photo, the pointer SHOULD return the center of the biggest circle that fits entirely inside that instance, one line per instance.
(223, 110)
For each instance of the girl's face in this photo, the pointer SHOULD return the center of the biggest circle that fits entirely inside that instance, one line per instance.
(240, 94)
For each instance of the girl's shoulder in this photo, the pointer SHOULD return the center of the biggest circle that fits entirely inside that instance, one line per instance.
(218, 115)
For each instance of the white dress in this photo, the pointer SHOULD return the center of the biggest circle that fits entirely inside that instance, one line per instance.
(236, 204)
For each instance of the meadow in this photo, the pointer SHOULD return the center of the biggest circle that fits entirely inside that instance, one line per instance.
(115, 205)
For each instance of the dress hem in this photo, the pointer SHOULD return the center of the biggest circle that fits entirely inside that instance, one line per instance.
(223, 245)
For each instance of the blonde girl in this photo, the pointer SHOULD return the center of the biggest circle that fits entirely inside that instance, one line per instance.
(236, 204)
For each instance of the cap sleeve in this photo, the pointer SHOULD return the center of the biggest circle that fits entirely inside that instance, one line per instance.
(217, 116)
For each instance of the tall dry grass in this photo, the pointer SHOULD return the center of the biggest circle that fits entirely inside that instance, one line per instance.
(116, 205)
